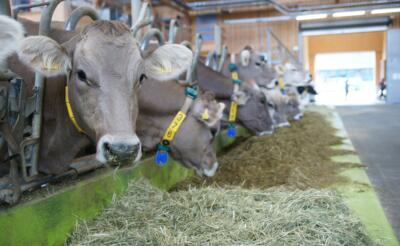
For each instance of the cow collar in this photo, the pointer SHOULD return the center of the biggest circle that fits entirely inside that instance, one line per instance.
(71, 112)
(231, 131)
(163, 148)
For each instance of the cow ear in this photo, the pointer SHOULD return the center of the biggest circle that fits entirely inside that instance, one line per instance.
(207, 110)
(167, 62)
(240, 97)
(44, 55)
(12, 33)
(245, 57)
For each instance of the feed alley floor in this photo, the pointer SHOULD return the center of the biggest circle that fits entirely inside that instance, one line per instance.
(375, 133)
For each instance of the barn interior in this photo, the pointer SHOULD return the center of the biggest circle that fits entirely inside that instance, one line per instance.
(346, 50)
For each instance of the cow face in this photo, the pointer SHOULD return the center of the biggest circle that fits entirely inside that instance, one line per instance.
(253, 66)
(279, 104)
(105, 68)
(294, 76)
(193, 143)
(254, 114)
(293, 105)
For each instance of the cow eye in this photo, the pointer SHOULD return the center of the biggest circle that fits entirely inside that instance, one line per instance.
(262, 100)
(258, 64)
(142, 77)
(82, 75)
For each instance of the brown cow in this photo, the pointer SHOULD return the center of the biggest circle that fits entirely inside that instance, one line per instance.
(253, 114)
(192, 145)
(104, 67)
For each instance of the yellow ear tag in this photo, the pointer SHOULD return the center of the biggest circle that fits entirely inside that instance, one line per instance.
(166, 68)
(205, 115)
(232, 112)
(51, 67)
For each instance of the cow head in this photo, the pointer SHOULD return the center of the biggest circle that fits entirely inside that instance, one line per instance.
(293, 105)
(254, 114)
(105, 68)
(279, 103)
(193, 143)
(253, 66)
(294, 75)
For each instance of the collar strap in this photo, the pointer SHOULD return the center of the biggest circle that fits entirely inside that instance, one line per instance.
(164, 147)
(70, 112)
(231, 131)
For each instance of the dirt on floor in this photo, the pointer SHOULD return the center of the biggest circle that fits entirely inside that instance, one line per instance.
(298, 157)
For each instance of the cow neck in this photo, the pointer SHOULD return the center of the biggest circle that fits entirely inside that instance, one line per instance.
(231, 131)
(163, 148)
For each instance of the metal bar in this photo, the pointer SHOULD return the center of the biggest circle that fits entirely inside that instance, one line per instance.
(269, 48)
(18, 8)
(222, 58)
(150, 34)
(145, 18)
(196, 55)
(173, 30)
(5, 8)
(44, 29)
(218, 39)
(281, 45)
(78, 14)
(135, 10)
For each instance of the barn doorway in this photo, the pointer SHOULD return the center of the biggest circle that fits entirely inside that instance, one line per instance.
(346, 78)
(346, 66)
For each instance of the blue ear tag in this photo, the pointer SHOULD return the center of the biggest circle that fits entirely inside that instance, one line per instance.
(231, 131)
(161, 158)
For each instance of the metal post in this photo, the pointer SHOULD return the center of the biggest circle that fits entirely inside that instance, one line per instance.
(5, 7)
(150, 34)
(173, 29)
(223, 58)
(196, 55)
(135, 10)
(218, 39)
(44, 29)
(269, 48)
(77, 14)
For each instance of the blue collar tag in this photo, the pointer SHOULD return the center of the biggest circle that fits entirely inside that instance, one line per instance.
(161, 158)
(231, 131)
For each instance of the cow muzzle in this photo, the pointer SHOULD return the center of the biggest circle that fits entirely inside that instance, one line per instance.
(118, 150)
(298, 116)
(211, 172)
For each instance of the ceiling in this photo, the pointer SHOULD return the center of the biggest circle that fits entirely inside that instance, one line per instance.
(283, 6)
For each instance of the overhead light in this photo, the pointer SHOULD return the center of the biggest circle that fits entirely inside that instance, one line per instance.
(349, 13)
(311, 17)
(385, 11)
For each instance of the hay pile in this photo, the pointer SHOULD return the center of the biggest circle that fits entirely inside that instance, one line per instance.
(298, 156)
(223, 216)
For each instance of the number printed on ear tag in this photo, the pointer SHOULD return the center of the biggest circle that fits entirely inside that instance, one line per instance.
(231, 132)
(161, 158)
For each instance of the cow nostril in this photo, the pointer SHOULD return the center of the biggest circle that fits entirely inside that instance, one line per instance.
(106, 146)
(214, 131)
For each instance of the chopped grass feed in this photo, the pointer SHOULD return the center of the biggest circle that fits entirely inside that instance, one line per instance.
(223, 216)
(299, 156)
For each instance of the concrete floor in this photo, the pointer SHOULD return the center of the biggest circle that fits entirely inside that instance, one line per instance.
(375, 133)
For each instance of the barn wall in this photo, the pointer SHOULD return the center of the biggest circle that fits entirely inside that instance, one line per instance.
(354, 42)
